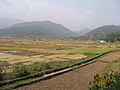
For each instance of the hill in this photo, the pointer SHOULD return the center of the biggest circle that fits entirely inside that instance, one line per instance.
(101, 32)
(7, 22)
(36, 29)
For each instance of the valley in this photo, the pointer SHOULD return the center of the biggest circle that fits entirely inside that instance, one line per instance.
(46, 56)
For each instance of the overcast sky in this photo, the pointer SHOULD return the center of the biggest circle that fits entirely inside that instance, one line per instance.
(74, 14)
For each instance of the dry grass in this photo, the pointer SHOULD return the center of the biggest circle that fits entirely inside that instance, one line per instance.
(12, 59)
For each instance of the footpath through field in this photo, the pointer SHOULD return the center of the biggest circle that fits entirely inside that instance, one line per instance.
(77, 79)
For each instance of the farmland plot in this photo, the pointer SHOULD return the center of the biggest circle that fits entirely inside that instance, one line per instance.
(36, 54)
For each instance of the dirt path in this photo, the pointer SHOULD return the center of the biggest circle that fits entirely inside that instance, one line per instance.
(77, 79)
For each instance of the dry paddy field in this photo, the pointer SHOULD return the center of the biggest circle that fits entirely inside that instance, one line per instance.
(14, 59)
(30, 51)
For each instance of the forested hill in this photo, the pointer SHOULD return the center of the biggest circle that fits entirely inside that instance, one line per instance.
(101, 32)
(37, 29)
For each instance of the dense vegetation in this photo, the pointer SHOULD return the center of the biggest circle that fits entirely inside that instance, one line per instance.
(113, 37)
(107, 81)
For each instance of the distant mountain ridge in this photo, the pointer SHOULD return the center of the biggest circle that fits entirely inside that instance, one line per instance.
(101, 32)
(51, 30)
(36, 29)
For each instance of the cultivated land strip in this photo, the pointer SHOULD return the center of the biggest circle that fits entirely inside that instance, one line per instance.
(77, 79)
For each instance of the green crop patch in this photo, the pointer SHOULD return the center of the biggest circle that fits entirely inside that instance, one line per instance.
(88, 51)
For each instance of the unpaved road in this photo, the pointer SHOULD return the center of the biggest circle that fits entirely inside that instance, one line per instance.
(77, 79)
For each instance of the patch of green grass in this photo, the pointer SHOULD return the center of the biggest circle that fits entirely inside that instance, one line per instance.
(108, 67)
(118, 46)
(112, 66)
(88, 51)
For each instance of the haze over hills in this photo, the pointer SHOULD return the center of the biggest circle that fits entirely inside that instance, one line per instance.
(101, 32)
(7, 22)
(37, 29)
(83, 31)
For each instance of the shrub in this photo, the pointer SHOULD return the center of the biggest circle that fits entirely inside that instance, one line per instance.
(108, 81)
(1, 71)
(40, 66)
(20, 70)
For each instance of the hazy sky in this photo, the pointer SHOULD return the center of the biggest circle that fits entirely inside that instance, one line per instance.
(74, 14)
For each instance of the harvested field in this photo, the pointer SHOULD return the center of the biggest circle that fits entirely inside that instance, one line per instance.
(30, 51)
(74, 57)
(77, 79)
(12, 59)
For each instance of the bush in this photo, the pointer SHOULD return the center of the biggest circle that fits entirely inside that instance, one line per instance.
(108, 81)
(20, 70)
(40, 66)
(1, 71)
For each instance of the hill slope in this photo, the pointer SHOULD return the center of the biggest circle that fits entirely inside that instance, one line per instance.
(101, 32)
(36, 29)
